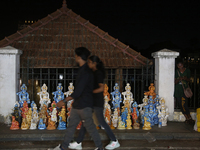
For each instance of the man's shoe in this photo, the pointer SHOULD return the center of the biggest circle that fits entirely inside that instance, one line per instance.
(113, 145)
(56, 148)
(75, 145)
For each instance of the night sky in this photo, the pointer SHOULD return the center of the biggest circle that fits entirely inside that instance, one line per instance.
(142, 24)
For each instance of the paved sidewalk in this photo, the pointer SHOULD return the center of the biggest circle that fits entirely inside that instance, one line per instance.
(124, 145)
(173, 131)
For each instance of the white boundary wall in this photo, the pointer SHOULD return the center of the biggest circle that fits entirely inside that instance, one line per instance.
(164, 77)
(9, 79)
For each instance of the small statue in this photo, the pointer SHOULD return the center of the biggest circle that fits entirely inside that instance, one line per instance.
(61, 124)
(35, 114)
(32, 104)
(135, 115)
(157, 100)
(116, 98)
(24, 125)
(115, 119)
(62, 113)
(151, 91)
(152, 111)
(69, 110)
(15, 124)
(23, 95)
(128, 122)
(41, 125)
(17, 113)
(107, 111)
(29, 116)
(121, 124)
(58, 95)
(163, 112)
(69, 103)
(24, 109)
(54, 115)
(126, 105)
(106, 93)
(107, 114)
(33, 125)
(53, 105)
(124, 116)
(43, 114)
(51, 124)
(71, 90)
(142, 108)
(147, 124)
(79, 125)
(128, 96)
(44, 96)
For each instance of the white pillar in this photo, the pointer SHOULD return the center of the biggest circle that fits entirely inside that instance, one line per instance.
(164, 76)
(9, 79)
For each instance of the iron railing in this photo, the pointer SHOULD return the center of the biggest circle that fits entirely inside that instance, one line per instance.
(34, 78)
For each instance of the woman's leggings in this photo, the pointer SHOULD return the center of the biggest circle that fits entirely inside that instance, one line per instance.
(183, 104)
(99, 114)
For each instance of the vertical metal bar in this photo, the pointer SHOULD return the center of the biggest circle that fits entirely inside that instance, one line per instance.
(142, 82)
(27, 75)
(40, 77)
(147, 83)
(56, 77)
(64, 78)
(111, 78)
(49, 79)
(73, 75)
(152, 77)
(134, 80)
(138, 89)
(32, 83)
(119, 79)
(195, 85)
(22, 73)
(126, 75)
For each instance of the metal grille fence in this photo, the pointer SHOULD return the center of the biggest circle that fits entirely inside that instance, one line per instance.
(139, 80)
(34, 78)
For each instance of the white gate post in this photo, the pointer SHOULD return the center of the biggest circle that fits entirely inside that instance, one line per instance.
(164, 77)
(9, 79)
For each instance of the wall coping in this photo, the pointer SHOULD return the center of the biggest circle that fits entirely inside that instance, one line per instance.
(9, 50)
(165, 53)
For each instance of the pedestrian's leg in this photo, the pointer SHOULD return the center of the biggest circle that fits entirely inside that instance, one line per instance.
(81, 134)
(187, 112)
(86, 117)
(179, 100)
(99, 114)
(73, 122)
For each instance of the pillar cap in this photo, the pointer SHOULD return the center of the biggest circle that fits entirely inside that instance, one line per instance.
(9, 50)
(165, 53)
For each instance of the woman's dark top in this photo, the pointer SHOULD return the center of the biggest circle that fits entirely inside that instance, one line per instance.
(98, 97)
(178, 92)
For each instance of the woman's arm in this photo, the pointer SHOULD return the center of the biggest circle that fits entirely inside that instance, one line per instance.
(177, 80)
(100, 89)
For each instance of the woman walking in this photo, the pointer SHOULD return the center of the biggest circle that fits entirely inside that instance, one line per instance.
(98, 69)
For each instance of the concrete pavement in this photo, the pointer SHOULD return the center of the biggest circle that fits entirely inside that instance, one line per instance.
(176, 135)
(174, 130)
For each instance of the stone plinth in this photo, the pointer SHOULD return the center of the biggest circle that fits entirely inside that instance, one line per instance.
(164, 76)
(9, 79)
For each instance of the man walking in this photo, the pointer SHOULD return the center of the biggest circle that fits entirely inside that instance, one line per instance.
(83, 102)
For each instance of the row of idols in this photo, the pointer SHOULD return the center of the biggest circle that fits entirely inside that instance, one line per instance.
(120, 110)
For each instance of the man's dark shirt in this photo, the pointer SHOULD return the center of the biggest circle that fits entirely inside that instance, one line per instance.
(83, 89)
